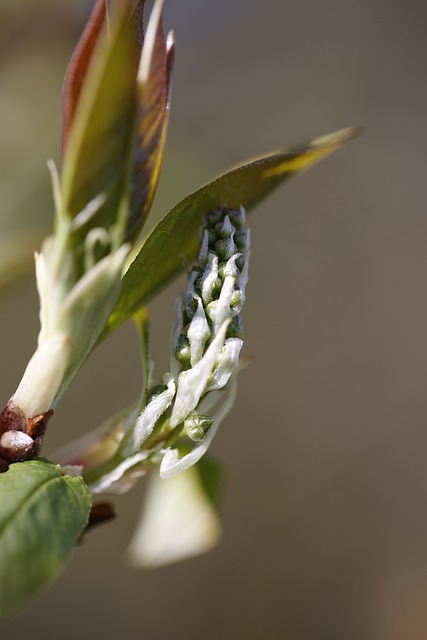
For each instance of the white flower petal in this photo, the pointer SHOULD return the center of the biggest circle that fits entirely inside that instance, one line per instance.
(171, 464)
(192, 383)
(121, 478)
(176, 332)
(242, 280)
(230, 268)
(222, 309)
(198, 333)
(209, 278)
(146, 422)
(227, 362)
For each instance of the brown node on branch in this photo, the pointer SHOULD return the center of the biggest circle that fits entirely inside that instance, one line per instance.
(100, 513)
(20, 437)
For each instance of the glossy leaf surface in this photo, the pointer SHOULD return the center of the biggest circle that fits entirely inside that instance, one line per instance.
(42, 515)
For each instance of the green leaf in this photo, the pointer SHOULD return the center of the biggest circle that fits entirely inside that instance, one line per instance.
(212, 474)
(159, 259)
(95, 156)
(42, 515)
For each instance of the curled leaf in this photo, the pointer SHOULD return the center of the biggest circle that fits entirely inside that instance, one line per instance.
(150, 121)
(101, 116)
(79, 63)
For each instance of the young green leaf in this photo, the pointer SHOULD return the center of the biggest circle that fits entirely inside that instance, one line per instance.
(95, 156)
(42, 515)
(159, 259)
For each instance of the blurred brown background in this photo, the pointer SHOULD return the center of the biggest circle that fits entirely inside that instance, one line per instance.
(325, 510)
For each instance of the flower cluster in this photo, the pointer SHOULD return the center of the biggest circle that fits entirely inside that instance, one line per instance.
(180, 417)
(206, 339)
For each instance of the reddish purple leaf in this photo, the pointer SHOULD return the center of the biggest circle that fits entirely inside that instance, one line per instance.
(77, 69)
(153, 92)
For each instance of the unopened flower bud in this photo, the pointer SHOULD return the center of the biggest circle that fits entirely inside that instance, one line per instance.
(197, 425)
(182, 351)
(237, 217)
(224, 229)
(236, 300)
(240, 263)
(213, 217)
(241, 238)
(225, 248)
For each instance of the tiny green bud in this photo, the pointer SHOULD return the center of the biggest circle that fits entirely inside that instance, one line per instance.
(182, 351)
(240, 263)
(224, 229)
(197, 425)
(225, 248)
(236, 299)
(241, 239)
(211, 310)
(237, 217)
(216, 287)
(212, 238)
(213, 217)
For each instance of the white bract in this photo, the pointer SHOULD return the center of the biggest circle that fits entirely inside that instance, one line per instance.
(72, 314)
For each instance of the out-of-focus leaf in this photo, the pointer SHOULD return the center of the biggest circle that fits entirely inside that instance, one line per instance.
(178, 521)
(150, 122)
(95, 160)
(211, 476)
(79, 64)
(159, 259)
(42, 515)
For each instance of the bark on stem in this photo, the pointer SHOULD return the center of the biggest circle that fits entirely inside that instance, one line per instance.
(20, 437)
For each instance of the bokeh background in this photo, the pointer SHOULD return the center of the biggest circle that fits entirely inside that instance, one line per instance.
(325, 508)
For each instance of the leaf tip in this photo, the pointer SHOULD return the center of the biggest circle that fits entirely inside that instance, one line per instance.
(337, 138)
